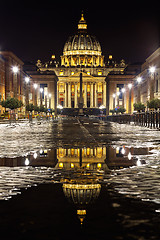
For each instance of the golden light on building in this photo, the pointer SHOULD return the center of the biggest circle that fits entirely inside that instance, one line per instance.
(88, 165)
(60, 165)
(72, 165)
(99, 165)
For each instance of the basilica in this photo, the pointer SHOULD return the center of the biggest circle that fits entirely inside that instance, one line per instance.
(106, 84)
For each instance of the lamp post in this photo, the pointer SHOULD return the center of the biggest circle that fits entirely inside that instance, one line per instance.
(50, 95)
(15, 71)
(114, 100)
(27, 79)
(35, 95)
(130, 87)
(139, 79)
(123, 91)
(41, 91)
(118, 93)
(152, 71)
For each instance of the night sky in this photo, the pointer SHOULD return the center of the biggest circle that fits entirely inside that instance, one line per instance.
(37, 29)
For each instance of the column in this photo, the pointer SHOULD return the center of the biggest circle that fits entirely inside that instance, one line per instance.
(69, 95)
(58, 93)
(66, 95)
(75, 95)
(96, 89)
(91, 96)
(104, 94)
(53, 91)
(85, 95)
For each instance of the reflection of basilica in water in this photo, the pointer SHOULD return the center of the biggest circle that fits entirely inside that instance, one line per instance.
(81, 171)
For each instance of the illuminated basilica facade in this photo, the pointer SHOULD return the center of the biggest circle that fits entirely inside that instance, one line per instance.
(102, 82)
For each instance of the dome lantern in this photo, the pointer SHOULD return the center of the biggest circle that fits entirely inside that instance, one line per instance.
(82, 25)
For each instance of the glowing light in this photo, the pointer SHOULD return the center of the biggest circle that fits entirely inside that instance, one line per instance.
(35, 86)
(27, 79)
(102, 107)
(26, 162)
(49, 95)
(60, 106)
(118, 93)
(114, 95)
(88, 165)
(123, 150)
(35, 155)
(60, 165)
(129, 156)
(72, 165)
(139, 79)
(99, 165)
(123, 90)
(41, 90)
(15, 69)
(139, 163)
(152, 69)
(41, 151)
(130, 85)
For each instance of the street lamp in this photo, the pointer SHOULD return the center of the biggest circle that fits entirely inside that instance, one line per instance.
(27, 79)
(152, 70)
(130, 87)
(15, 71)
(139, 79)
(123, 91)
(114, 100)
(41, 91)
(35, 85)
(49, 95)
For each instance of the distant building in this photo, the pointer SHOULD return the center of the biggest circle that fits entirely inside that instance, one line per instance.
(2, 81)
(102, 82)
(12, 77)
(105, 84)
(147, 82)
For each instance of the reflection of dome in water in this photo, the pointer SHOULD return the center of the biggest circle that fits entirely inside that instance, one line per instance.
(81, 195)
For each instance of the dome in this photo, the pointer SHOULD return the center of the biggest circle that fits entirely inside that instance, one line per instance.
(83, 44)
(82, 49)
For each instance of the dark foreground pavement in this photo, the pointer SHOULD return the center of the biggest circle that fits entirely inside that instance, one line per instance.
(43, 213)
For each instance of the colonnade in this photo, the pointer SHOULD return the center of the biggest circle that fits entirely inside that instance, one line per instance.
(90, 95)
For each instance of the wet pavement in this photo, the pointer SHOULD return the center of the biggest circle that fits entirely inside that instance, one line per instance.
(79, 178)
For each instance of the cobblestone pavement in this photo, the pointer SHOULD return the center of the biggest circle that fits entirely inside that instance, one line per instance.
(128, 205)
